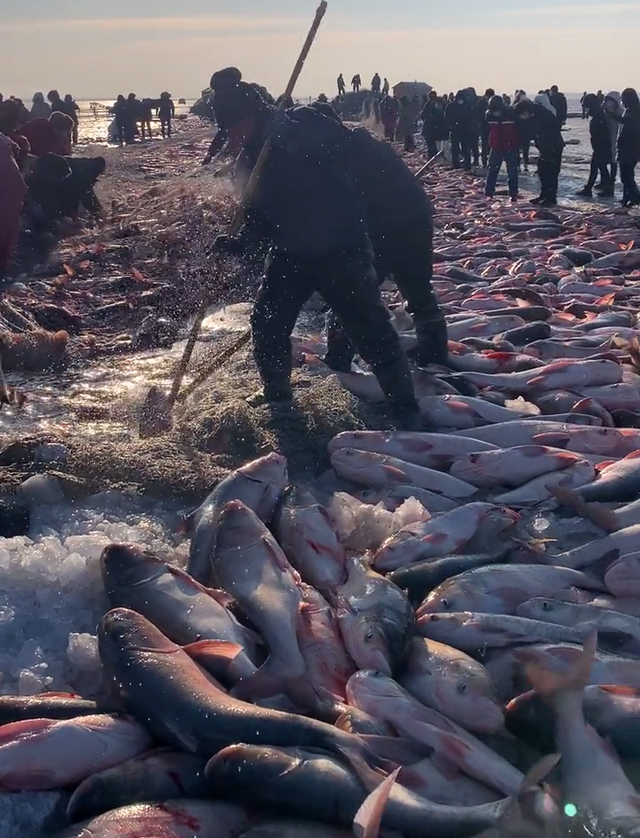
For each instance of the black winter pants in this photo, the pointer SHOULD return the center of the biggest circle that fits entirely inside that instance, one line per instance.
(549, 165)
(631, 193)
(460, 146)
(348, 283)
(408, 255)
(599, 164)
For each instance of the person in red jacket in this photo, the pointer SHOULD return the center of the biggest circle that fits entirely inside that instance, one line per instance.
(49, 136)
(12, 189)
(504, 142)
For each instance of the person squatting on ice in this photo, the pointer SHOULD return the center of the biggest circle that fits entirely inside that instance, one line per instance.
(312, 213)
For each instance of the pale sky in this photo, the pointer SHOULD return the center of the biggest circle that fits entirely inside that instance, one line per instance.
(98, 49)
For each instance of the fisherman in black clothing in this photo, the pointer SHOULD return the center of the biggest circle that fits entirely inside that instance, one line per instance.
(559, 102)
(315, 220)
(376, 82)
(460, 121)
(545, 131)
(483, 107)
(342, 88)
(602, 158)
(629, 147)
(433, 123)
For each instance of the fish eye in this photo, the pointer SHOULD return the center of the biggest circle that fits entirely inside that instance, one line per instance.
(462, 688)
(369, 636)
(444, 602)
(546, 605)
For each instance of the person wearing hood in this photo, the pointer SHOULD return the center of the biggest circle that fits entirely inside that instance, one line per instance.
(228, 77)
(613, 112)
(166, 112)
(544, 128)
(314, 218)
(40, 109)
(559, 102)
(56, 101)
(385, 87)
(49, 136)
(483, 106)
(376, 83)
(602, 158)
(629, 147)
(473, 101)
(356, 83)
(504, 142)
(342, 88)
(460, 122)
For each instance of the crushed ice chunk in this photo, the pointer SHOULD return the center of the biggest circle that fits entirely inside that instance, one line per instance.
(82, 651)
(362, 526)
(41, 489)
(31, 682)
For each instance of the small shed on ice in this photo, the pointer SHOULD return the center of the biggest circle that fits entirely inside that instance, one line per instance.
(411, 88)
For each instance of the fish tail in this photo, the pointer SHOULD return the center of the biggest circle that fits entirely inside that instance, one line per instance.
(550, 684)
(368, 819)
(595, 512)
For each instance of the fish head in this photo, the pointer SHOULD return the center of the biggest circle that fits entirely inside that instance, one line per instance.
(249, 766)
(352, 463)
(238, 527)
(541, 608)
(364, 639)
(442, 627)
(449, 596)
(466, 694)
(367, 688)
(125, 566)
(269, 469)
(123, 632)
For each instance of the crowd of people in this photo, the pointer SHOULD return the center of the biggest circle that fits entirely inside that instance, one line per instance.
(41, 183)
(133, 117)
(492, 130)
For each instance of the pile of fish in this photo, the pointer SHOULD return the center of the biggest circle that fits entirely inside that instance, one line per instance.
(285, 684)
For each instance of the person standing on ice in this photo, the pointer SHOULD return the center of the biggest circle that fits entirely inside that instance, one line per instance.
(482, 107)
(385, 87)
(356, 83)
(541, 119)
(375, 84)
(504, 142)
(601, 159)
(559, 102)
(389, 112)
(629, 147)
(342, 88)
(613, 111)
(433, 124)
(460, 121)
(314, 218)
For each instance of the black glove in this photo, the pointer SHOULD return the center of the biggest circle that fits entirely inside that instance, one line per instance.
(229, 245)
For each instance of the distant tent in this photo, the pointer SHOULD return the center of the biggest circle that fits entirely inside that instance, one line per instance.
(411, 88)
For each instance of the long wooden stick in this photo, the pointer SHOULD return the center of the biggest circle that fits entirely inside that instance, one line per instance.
(238, 217)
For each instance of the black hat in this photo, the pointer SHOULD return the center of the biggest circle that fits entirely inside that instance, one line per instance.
(228, 77)
(235, 103)
(496, 103)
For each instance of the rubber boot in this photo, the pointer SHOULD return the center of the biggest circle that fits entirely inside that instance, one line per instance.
(432, 343)
(275, 393)
(585, 193)
(397, 385)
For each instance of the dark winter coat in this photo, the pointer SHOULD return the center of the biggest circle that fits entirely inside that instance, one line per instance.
(433, 121)
(629, 139)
